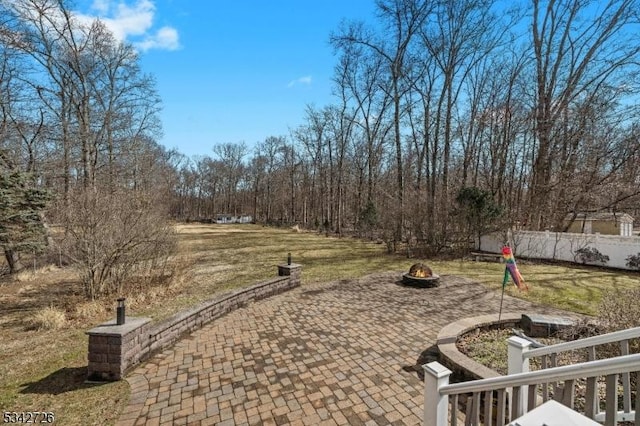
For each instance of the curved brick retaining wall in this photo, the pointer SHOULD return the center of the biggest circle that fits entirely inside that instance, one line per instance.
(534, 325)
(115, 349)
(458, 362)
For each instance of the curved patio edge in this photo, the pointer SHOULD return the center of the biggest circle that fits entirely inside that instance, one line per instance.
(139, 386)
(457, 361)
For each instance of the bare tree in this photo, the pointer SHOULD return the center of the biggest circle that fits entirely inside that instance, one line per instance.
(93, 99)
(402, 19)
(459, 36)
(581, 49)
(231, 157)
(118, 240)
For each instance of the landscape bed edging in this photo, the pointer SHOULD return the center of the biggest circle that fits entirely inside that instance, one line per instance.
(115, 349)
(458, 362)
(535, 325)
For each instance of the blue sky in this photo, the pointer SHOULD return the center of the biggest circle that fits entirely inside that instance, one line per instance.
(231, 71)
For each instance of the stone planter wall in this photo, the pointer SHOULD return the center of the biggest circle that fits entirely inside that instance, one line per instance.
(534, 325)
(115, 349)
(458, 362)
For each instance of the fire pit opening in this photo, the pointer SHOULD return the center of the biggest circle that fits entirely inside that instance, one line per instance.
(420, 275)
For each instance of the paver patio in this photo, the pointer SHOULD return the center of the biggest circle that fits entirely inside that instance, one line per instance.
(328, 353)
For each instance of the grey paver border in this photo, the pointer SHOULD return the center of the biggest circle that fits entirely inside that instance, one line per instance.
(139, 386)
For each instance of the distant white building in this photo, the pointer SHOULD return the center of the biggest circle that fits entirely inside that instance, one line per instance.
(226, 218)
(605, 223)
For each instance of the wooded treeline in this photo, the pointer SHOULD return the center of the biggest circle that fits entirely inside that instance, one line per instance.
(449, 116)
(536, 105)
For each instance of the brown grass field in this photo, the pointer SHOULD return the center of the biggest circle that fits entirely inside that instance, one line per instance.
(44, 369)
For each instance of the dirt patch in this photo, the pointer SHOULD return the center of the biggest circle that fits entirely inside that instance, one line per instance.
(489, 348)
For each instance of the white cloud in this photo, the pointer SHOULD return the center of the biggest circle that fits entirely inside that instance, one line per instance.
(133, 22)
(165, 38)
(101, 6)
(302, 80)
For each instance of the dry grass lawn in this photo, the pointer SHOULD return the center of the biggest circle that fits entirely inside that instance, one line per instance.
(44, 369)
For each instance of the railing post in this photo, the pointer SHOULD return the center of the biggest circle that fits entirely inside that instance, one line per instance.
(517, 363)
(436, 405)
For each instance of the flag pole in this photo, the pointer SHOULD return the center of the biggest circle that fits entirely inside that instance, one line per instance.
(501, 299)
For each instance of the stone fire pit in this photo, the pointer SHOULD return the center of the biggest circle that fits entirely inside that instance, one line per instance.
(420, 275)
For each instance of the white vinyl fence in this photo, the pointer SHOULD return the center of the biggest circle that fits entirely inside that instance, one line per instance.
(562, 245)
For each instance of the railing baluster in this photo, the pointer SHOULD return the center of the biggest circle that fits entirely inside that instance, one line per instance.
(611, 407)
(488, 407)
(592, 388)
(469, 411)
(637, 415)
(626, 382)
(475, 419)
(592, 402)
(554, 364)
(532, 397)
(501, 412)
(515, 401)
(557, 392)
(545, 386)
(454, 410)
(567, 393)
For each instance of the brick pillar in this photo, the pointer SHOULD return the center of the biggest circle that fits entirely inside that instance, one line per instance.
(113, 348)
(293, 271)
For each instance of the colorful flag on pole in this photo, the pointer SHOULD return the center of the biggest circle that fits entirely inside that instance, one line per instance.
(511, 270)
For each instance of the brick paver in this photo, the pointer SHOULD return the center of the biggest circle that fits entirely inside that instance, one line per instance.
(323, 354)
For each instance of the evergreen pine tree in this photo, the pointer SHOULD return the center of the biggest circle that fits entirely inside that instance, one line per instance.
(21, 223)
(478, 209)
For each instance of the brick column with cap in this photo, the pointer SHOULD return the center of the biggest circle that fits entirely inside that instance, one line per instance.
(114, 348)
(293, 271)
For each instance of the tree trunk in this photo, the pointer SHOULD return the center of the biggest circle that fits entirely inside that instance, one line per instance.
(13, 260)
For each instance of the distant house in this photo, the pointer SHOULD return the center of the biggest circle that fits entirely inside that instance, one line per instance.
(226, 218)
(603, 222)
(244, 219)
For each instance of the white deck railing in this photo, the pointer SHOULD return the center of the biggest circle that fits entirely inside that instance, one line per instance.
(520, 354)
(522, 385)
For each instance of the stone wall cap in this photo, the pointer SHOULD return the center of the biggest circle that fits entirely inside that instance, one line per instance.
(110, 328)
(547, 319)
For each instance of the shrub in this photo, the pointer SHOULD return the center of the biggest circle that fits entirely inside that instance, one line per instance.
(581, 329)
(478, 211)
(91, 310)
(633, 261)
(591, 255)
(118, 240)
(620, 309)
(48, 319)
(368, 218)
